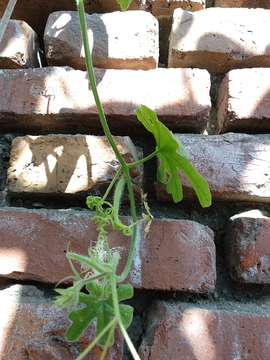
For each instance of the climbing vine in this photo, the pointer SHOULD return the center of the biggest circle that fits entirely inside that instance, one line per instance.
(104, 289)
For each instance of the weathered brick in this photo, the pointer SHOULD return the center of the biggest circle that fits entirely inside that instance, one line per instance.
(220, 40)
(67, 165)
(247, 247)
(19, 47)
(236, 166)
(36, 13)
(118, 40)
(163, 11)
(244, 101)
(243, 3)
(197, 334)
(34, 328)
(174, 255)
(161, 8)
(59, 99)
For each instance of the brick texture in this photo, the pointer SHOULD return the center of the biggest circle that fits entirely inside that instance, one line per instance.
(36, 13)
(19, 47)
(68, 165)
(244, 101)
(164, 258)
(220, 40)
(161, 8)
(35, 329)
(119, 40)
(174, 265)
(236, 166)
(247, 247)
(197, 334)
(243, 3)
(55, 99)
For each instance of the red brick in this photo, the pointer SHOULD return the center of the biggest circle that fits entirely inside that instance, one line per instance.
(243, 3)
(236, 166)
(36, 330)
(59, 100)
(161, 8)
(197, 334)
(244, 101)
(19, 46)
(118, 40)
(67, 165)
(247, 247)
(220, 40)
(174, 255)
(36, 13)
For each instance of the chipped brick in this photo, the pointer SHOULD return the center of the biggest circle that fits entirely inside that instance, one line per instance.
(220, 40)
(118, 40)
(68, 165)
(164, 258)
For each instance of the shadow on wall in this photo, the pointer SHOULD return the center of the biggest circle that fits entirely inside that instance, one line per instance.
(67, 26)
(65, 166)
(49, 167)
(214, 51)
(57, 166)
(40, 10)
(53, 163)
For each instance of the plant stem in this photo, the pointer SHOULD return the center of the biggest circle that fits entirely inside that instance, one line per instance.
(129, 342)
(90, 70)
(96, 339)
(112, 183)
(6, 17)
(117, 197)
(144, 159)
(119, 320)
(107, 132)
(147, 218)
(134, 234)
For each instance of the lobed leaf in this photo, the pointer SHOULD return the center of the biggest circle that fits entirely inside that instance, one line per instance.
(172, 155)
(124, 4)
(101, 308)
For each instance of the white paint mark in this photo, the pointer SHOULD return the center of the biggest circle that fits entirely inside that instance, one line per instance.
(136, 272)
(236, 348)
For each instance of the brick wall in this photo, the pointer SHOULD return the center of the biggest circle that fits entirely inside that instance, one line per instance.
(201, 276)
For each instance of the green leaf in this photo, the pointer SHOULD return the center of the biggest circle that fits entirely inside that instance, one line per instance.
(100, 308)
(67, 297)
(124, 4)
(172, 155)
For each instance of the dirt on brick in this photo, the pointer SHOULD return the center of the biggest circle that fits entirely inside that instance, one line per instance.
(228, 295)
(5, 145)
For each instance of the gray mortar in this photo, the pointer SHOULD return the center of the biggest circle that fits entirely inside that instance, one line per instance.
(5, 144)
(228, 295)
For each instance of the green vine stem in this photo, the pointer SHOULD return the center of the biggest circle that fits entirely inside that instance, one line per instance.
(117, 315)
(97, 338)
(124, 167)
(104, 299)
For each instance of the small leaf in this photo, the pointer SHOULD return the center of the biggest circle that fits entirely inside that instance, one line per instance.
(124, 4)
(100, 308)
(66, 298)
(172, 155)
(124, 292)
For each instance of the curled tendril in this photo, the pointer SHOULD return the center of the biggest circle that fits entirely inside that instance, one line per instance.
(105, 217)
(92, 201)
(127, 231)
